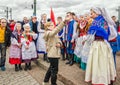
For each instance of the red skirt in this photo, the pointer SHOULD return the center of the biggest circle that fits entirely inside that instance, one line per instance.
(14, 60)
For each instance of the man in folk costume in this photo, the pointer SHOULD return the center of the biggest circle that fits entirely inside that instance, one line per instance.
(117, 28)
(65, 40)
(71, 35)
(41, 44)
(100, 65)
(84, 56)
(115, 45)
(117, 23)
(79, 41)
(60, 34)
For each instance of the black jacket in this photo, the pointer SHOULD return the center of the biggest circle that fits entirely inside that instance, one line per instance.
(7, 36)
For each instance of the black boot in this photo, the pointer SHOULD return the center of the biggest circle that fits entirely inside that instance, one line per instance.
(16, 68)
(26, 67)
(111, 83)
(20, 68)
(44, 57)
(72, 59)
(63, 56)
(47, 60)
(53, 76)
(68, 58)
(29, 66)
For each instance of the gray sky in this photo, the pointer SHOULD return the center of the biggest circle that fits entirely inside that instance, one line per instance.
(23, 8)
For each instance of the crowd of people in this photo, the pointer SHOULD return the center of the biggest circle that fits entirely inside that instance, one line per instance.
(90, 40)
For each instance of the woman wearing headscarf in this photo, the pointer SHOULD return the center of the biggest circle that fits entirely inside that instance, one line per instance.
(15, 48)
(100, 65)
(40, 45)
(80, 38)
(84, 55)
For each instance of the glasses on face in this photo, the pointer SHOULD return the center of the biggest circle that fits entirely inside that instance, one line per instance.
(3, 22)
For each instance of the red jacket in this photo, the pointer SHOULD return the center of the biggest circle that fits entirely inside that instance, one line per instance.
(12, 27)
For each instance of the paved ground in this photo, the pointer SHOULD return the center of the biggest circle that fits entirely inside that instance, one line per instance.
(118, 70)
(33, 77)
(73, 75)
(70, 74)
(10, 77)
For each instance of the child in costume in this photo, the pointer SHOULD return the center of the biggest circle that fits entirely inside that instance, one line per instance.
(29, 52)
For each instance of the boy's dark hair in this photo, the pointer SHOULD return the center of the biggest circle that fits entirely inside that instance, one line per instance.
(73, 13)
(69, 13)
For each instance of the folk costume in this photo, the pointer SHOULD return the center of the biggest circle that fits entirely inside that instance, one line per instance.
(100, 65)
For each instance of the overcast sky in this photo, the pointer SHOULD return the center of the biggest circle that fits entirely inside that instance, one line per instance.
(23, 8)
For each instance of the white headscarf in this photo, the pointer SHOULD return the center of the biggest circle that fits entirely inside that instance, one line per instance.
(97, 10)
(111, 24)
(26, 25)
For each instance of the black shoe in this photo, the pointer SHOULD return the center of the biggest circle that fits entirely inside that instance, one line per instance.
(72, 59)
(53, 84)
(26, 68)
(20, 68)
(45, 57)
(67, 57)
(68, 62)
(111, 83)
(71, 63)
(16, 68)
(29, 66)
(63, 57)
(47, 60)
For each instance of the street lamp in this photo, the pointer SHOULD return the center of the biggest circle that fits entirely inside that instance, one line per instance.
(7, 10)
(34, 8)
(11, 13)
(118, 13)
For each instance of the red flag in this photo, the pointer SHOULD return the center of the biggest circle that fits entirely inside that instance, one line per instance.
(119, 29)
(52, 17)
